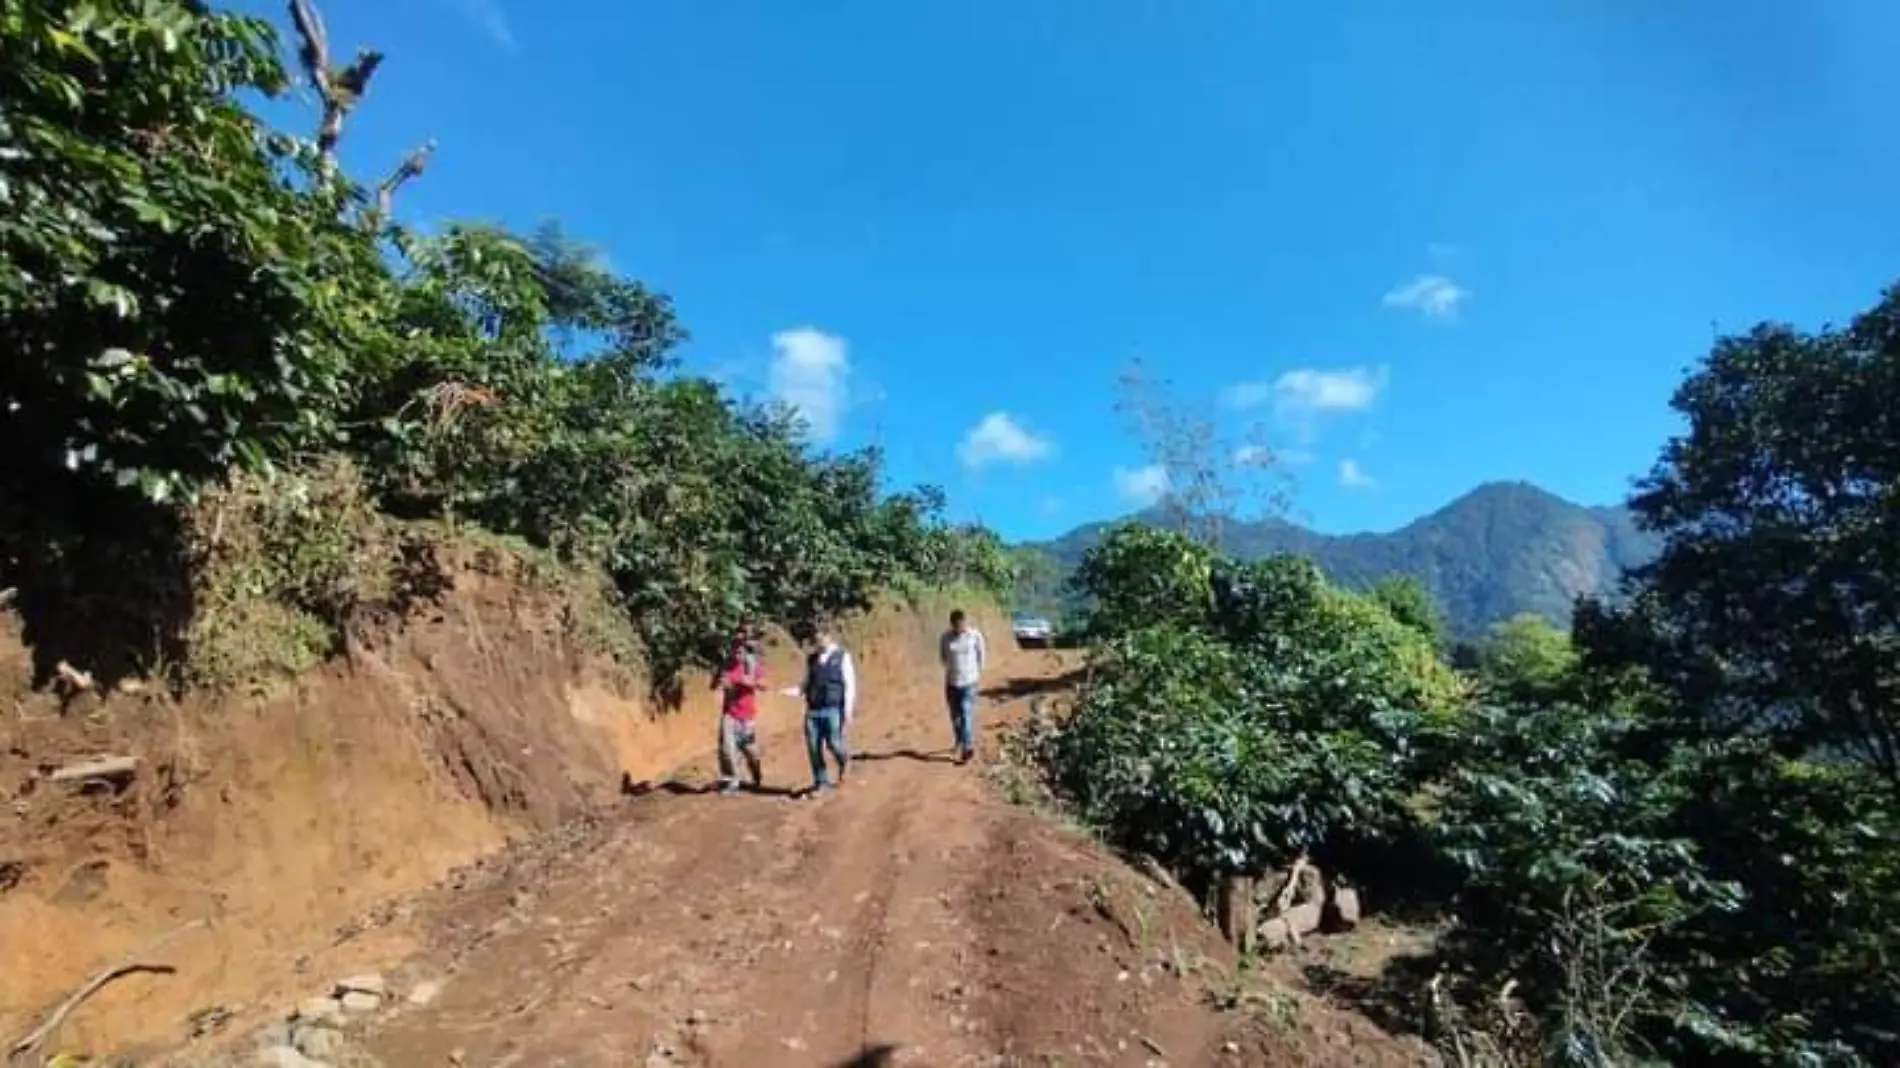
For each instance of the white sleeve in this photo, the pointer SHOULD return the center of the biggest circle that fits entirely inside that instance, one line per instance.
(850, 686)
(982, 652)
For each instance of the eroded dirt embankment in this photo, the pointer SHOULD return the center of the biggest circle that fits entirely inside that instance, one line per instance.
(288, 826)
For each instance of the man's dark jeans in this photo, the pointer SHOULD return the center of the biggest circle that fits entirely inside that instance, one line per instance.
(824, 729)
(962, 702)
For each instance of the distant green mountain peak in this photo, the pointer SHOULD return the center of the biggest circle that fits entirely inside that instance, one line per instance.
(1498, 550)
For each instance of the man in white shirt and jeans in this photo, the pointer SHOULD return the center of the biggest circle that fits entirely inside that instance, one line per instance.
(962, 652)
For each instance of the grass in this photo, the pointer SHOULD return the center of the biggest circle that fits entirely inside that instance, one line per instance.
(284, 568)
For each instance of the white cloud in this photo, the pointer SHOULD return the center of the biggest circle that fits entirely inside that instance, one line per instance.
(488, 17)
(1352, 476)
(1253, 456)
(1432, 295)
(1302, 397)
(1267, 456)
(1142, 486)
(809, 374)
(998, 438)
(1308, 391)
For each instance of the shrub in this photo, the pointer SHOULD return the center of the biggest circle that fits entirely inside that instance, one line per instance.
(1139, 576)
(1279, 719)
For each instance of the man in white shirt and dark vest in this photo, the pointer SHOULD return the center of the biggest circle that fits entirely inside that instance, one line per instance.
(830, 691)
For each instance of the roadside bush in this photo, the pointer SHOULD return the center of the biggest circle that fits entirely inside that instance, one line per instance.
(1259, 714)
(1139, 576)
(1575, 875)
(281, 566)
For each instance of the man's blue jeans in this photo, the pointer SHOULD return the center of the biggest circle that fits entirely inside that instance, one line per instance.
(962, 702)
(824, 729)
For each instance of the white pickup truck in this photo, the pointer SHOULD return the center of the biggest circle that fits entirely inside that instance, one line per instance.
(1031, 630)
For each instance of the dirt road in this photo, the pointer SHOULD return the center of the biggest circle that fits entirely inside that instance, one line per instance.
(910, 917)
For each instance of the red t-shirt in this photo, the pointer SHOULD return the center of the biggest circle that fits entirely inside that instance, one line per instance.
(743, 676)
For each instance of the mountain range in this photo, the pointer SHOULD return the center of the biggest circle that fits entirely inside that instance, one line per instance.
(1502, 549)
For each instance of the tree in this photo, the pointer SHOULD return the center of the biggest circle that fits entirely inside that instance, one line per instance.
(1780, 513)
(1038, 583)
(1140, 576)
(1413, 605)
(186, 295)
(171, 300)
(1210, 476)
(1525, 656)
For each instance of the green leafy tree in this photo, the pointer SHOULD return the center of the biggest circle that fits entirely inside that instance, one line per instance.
(1140, 576)
(185, 294)
(172, 299)
(1242, 714)
(1526, 657)
(1413, 605)
(1722, 796)
(1781, 524)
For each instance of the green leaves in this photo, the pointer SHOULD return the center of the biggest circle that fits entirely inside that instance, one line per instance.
(1242, 714)
(1140, 576)
(1782, 537)
(181, 293)
(146, 218)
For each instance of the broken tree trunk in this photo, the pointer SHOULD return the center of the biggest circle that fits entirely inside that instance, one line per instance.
(411, 167)
(1297, 908)
(338, 89)
(1234, 908)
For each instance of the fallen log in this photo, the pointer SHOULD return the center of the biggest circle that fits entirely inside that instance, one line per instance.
(108, 768)
(1297, 909)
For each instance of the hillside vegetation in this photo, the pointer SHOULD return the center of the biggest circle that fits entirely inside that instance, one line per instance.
(1672, 836)
(241, 400)
(1501, 550)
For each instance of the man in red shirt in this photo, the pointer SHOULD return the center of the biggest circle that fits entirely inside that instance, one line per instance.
(740, 681)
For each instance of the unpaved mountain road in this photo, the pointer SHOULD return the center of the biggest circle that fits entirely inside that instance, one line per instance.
(911, 917)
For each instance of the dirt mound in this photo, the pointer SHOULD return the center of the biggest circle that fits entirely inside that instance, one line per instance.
(284, 825)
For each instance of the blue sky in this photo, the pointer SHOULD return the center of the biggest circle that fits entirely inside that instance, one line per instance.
(1428, 244)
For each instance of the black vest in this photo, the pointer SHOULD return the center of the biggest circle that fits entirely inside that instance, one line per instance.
(824, 681)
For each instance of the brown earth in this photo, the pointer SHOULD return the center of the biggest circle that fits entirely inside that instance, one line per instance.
(911, 917)
(285, 822)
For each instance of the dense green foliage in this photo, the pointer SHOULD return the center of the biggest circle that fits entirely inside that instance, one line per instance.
(1244, 713)
(1496, 552)
(1677, 828)
(187, 298)
(1525, 657)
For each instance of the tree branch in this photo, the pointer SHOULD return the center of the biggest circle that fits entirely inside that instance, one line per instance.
(339, 90)
(30, 1042)
(411, 167)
